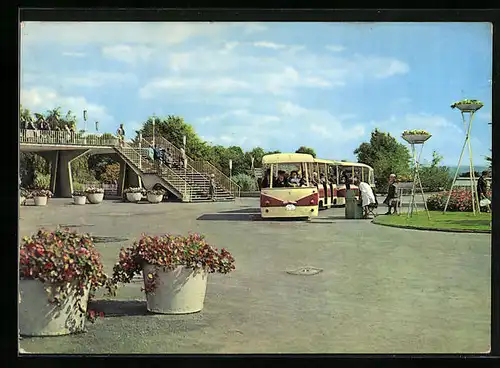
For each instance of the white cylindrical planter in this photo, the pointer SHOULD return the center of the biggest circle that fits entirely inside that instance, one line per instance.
(155, 198)
(416, 138)
(38, 317)
(469, 107)
(180, 291)
(79, 200)
(22, 200)
(134, 197)
(40, 201)
(95, 198)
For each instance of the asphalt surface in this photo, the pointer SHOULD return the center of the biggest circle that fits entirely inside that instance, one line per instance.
(381, 289)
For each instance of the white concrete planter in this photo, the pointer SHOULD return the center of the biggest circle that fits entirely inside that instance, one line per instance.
(180, 291)
(79, 200)
(134, 197)
(38, 317)
(95, 198)
(40, 201)
(155, 198)
(416, 138)
(468, 107)
(22, 200)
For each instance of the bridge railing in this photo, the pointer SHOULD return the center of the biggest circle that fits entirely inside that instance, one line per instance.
(59, 137)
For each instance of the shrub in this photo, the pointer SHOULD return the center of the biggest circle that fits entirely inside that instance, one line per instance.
(134, 190)
(42, 181)
(41, 193)
(111, 173)
(246, 182)
(94, 190)
(460, 200)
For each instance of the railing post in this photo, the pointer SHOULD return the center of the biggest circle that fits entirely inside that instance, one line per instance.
(140, 151)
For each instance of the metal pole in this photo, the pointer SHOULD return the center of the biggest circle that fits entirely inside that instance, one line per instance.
(420, 183)
(456, 172)
(140, 151)
(472, 175)
(412, 196)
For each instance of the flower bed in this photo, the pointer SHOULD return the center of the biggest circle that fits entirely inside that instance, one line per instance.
(460, 200)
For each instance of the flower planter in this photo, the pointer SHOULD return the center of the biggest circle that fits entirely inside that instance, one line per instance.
(155, 198)
(95, 198)
(468, 107)
(38, 317)
(134, 197)
(416, 138)
(180, 291)
(22, 200)
(40, 201)
(79, 200)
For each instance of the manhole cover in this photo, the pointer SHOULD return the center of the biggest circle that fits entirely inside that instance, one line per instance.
(107, 239)
(305, 271)
(69, 225)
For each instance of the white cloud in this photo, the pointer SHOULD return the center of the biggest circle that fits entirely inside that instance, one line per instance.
(127, 53)
(335, 48)
(73, 54)
(269, 45)
(41, 99)
(111, 33)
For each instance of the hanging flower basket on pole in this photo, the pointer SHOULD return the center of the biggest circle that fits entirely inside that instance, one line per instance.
(416, 136)
(467, 105)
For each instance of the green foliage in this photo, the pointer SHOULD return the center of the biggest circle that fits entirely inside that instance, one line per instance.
(257, 153)
(434, 177)
(386, 155)
(111, 173)
(42, 181)
(307, 150)
(80, 170)
(246, 182)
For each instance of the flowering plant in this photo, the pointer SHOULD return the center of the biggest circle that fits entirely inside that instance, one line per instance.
(78, 193)
(466, 102)
(94, 190)
(460, 200)
(167, 252)
(24, 193)
(415, 132)
(41, 193)
(156, 191)
(134, 190)
(65, 259)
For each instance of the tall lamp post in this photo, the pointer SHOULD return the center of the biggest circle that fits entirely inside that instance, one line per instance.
(184, 158)
(84, 120)
(230, 175)
(467, 107)
(154, 122)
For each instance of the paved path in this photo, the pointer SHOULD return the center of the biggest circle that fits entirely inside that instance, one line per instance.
(383, 290)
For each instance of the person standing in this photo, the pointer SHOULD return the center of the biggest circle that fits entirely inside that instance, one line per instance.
(120, 132)
(212, 188)
(391, 200)
(482, 189)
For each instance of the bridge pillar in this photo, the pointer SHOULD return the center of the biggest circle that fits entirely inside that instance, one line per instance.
(128, 178)
(61, 180)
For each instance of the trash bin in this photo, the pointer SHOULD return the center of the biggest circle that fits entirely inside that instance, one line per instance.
(352, 208)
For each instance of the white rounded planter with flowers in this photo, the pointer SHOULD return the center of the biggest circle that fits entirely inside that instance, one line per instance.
(178, 291)
(416, 136)
(57, 271)
(155, 195)
(134, 195)
(94, 195)
(39, 317)
(467, 105)
(79, 198)
(175, 270)
(41, 196)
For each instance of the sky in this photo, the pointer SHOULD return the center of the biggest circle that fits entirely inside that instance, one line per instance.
(274, 85)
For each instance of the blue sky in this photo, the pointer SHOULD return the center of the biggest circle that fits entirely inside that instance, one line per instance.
(274, 85)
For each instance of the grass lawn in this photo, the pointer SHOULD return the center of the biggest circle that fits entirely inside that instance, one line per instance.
(459, 221)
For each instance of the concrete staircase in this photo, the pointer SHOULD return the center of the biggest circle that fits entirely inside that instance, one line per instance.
(197, 173)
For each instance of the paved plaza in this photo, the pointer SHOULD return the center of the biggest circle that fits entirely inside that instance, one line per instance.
(382, 290)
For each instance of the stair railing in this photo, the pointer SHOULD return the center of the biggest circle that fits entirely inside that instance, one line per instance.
(203, 167)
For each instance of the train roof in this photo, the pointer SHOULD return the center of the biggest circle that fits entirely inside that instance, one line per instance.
(287, 158)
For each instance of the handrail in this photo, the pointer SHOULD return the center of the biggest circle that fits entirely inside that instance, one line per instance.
(204, 167)
(61, 137)
(170, 174)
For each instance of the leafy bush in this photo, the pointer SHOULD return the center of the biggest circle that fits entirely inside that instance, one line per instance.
(111, 173)
(435, 178)
(246, 182)
(460, 200)
(42, 181)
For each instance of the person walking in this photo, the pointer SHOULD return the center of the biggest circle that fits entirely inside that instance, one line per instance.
(212, 188)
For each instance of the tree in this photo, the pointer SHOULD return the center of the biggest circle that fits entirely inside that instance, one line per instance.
(488, 159)
(173, 128)
(434, 177)
(257, 153)
(111, 173)
(386, 155)
(308, 150)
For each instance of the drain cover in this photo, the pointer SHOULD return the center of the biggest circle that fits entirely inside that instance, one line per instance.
(69, 225)
(107, 239)
(305, 271)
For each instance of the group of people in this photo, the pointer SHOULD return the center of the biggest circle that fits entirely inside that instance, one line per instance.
(160, 155)
(284, 179)
(42, 124)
